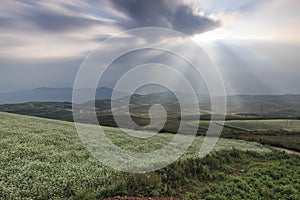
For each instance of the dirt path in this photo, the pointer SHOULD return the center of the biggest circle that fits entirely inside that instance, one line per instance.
(139, 198)
(287, 151)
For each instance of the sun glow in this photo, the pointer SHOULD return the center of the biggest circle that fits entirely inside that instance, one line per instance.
(226, 35)
(212, 36)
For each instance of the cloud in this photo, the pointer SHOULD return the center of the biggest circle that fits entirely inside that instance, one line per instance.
(56, 29)
(60, 16)
(46, 17)
(257, 67)
(42, 43)
(189, 23)
(177, 15)
(58, 22)
(229, 6)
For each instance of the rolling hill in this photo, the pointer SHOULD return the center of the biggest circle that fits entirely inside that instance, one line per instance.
(45, 159)
(238, 106)
(45, 94)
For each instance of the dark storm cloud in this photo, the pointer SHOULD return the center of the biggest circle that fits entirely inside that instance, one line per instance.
(185, 21)
(165, 13)
(173, 14)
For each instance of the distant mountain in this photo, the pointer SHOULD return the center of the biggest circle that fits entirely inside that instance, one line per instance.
(45, 94)
(242, 105)
(166, 97)
(270, 105)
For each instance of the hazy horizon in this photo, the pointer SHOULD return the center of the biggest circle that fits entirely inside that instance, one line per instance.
(151, 92)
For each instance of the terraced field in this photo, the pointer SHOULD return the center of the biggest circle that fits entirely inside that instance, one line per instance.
(278, 133)
(255, 125)
(258, 125)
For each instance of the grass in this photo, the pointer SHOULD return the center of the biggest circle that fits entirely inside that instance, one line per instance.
(255, 125)
(201, 124)
(258, 125)
(50, 110)
(279, 133)
(45, 159)
(223, 175)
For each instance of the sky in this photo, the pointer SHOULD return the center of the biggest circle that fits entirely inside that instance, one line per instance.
(254, 43)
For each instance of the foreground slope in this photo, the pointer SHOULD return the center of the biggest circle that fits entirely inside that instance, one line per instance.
(45, 159)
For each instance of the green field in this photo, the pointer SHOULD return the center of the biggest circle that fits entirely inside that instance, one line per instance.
(255, 125)
(279, 133)
(201, 124)
(45, 159)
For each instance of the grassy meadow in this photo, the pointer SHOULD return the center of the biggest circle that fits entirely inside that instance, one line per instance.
(255, 125)
(280, 133)
(45, 159)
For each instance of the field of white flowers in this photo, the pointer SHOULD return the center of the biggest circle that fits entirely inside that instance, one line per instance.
(45, 159)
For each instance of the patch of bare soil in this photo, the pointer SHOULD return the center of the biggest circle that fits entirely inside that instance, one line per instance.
(140, 198)
(287, 151)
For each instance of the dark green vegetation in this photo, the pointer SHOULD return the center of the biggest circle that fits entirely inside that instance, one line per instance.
(51, 110)
(44, 159)
(255, 125)
(279, 138)
(279, 133)
(223, 175)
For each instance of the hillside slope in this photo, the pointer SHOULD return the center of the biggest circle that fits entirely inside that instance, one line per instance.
(43, 158)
